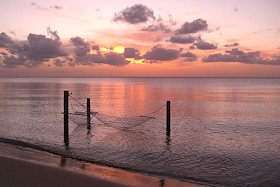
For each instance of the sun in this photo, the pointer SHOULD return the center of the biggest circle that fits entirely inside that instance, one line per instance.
(141, 61)
(119, 49)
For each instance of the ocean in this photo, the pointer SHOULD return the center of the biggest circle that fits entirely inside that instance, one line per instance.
(224, 131)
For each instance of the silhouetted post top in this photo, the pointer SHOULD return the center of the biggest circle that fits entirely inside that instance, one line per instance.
(168, 118)
(66, 115)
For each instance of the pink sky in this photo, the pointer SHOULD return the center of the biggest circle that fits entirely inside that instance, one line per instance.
(164, 38)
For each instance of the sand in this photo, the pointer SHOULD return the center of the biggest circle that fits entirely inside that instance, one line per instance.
(21, 166)
(16, 172)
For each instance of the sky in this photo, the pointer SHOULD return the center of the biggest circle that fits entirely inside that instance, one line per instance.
(140, 38)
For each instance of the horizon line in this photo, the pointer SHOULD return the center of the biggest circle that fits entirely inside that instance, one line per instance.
(137, 77)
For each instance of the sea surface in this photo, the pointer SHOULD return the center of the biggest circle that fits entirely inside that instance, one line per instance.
(224, 131)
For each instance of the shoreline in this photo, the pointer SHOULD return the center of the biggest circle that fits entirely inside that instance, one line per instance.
(30, 160)
(19, 172)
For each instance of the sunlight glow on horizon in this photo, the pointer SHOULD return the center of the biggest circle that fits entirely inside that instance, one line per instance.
(175, 40)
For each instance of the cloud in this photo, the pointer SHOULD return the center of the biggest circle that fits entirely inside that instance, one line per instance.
(232, 45)
(83, 57)
(189, 57)
(95, 47)
(58, 62)
(161, 54)
(42, 48)
(192, 47)
(56, 7)
(205, 45)
(78, 41)
(33, 52)
(235, 9)
(115, 59)
(182, 40)
(111, 58)
(38, 6)
(38, 49)
(236, 55)
(136, 14)
(131, 53)
(157, 27)
(61, 62)
(12, 61)
(5, 40)
(193, 27)
(82, 48)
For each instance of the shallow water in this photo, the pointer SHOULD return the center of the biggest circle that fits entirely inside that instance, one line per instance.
(224, 131)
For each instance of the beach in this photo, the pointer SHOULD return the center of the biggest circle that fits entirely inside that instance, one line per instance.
(22, 166)
(16, 172)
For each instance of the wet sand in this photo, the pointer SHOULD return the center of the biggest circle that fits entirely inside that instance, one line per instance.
(16, 172)
(22, 166)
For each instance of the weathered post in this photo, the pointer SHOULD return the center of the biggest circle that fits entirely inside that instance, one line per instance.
(168, 118)
(88, 111)
(66, 122)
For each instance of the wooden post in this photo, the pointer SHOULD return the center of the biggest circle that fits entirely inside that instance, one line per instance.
(88, 111)
(66, 115)
(168, 118)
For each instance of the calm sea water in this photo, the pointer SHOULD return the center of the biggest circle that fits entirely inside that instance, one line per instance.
(224, 131)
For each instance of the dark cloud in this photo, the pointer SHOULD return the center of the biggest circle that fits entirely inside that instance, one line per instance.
(71, 62)
(95, 47)
(193, 27)
(42, 48)
(159, 25)
(53, 34)
(189, 57)
(156, 28)
(232, 45)
(3, 53)
(188, 54)
(236, 51)
(39, 49)
(136, 14)
(161, 54)
(182, 40)
(5, 40)
(12, 61)
(131, 53)
(235, 9)
(78, 41)
(20, 48)
(115, 59)
(204, 45)
(60, 62)
(35, 51)
(192, 47)
(236, 55)
(82, 48)
(97, 58)
(111, 58)
(83, 57)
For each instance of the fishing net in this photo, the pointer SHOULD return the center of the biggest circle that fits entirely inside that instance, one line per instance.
(80, 116)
